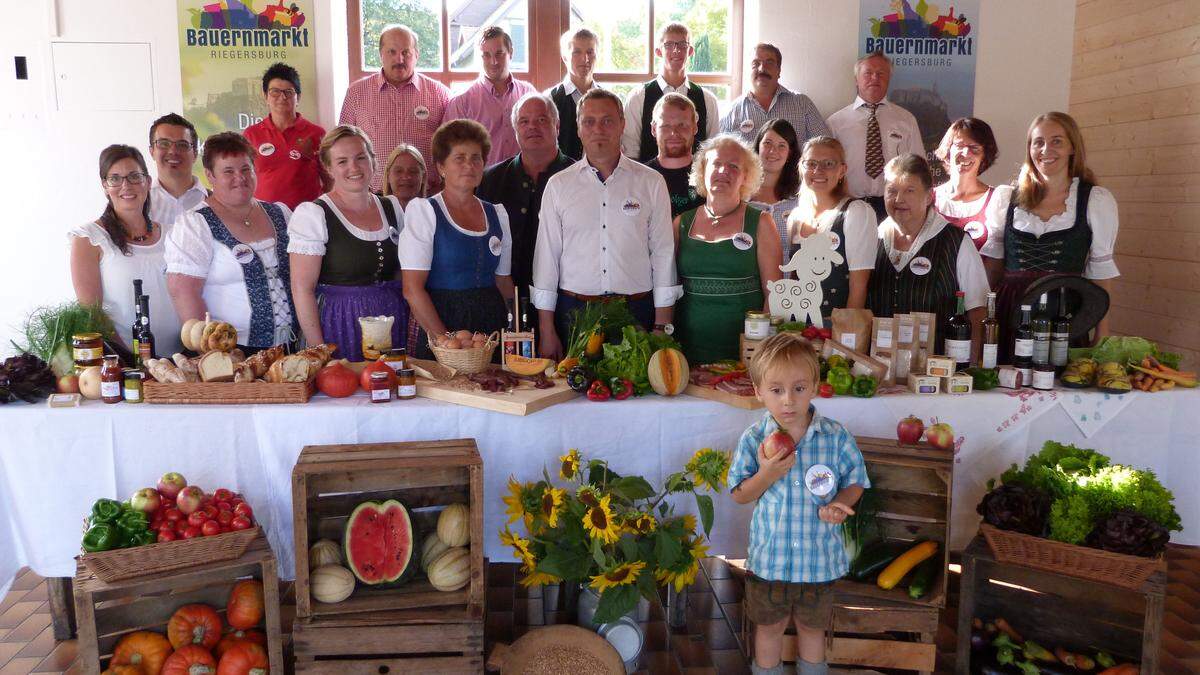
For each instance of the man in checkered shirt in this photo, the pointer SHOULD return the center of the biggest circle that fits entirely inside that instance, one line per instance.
(804, 492)
(768, 100)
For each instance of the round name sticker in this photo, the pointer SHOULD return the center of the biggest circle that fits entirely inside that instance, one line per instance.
(837, 241)
(746, 126)
(742, 241)
(819, 480)
(294, 154)
(394, 235)
(243, 254)
(421, 112)
(920, 266)
(494, 245)
(974, 229)
(266, 149)
(631, 207)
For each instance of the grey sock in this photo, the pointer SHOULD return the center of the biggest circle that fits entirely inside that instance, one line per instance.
(805, 668)
(776, 669)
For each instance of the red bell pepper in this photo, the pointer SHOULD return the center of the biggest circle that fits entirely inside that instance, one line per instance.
(825, 390)
(621, 388)
(598, 392)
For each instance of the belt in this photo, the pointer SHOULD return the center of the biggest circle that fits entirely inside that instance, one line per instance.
(607, 297)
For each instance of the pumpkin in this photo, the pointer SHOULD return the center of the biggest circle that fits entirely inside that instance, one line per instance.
(185, 334)
(124, 670)
(245, 607)
(194, 625)
(244, 658)
(331, 583)
(451, 571)
(144, 649)
(190, 660)
(432, 547)
(324, 552)
(668, 372)
(235, 637)
(454, 525)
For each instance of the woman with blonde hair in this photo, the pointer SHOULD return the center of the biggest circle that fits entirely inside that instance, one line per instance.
(342, 249)
(404, 174)
(826, 206)
(1059, 221)
(726, 251)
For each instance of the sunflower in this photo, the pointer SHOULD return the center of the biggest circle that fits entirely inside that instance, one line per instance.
(570, 465)
(588, 495)
(520, 546)
(599, 522)
(552, 504)
(536, 578)
(516, 501)
(683, 574)
(625, 573)
(710, 468)
(640, 523)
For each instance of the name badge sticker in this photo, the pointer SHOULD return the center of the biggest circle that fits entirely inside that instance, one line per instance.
(920, 266)
(421, 112)
(494, 245)
(243, 254)
(394, 235)
(631, 207)
(746, 126)
(837, 241)
(819, 480)
(974, 229)
(266, 149)
(742, 241)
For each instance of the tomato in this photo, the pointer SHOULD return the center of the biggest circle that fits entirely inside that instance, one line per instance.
(210, 511)
(180, 527)
(226, 528)
(244, 509)
(172, 515)
(222, 495)
(156, 521)
(337, 381)
(223, 505)
(197, 519)
(166, 534)
(191, 532)
(240, 523)
(224, 517)
(210, 528)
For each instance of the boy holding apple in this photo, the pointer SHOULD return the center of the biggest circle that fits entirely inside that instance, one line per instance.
(804, 490)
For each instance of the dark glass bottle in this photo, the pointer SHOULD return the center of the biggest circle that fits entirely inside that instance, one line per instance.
(991, 334)
(145, 337)
(1060, 333)
(958, 335)
(1041, 331)
(136, 328)
(1023, 346)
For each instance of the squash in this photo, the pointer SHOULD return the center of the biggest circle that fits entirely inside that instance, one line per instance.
(668, 372)
(523, 365)
(144, 649)
(194, 624)
(185, 334)
(124, 670)
(245, 658)
(190, 660)
(451, 570)
(893, 573)
(245, 607)
(325, 551)
(454, 525)
(331, 583)
(234, 637)
(431, 548)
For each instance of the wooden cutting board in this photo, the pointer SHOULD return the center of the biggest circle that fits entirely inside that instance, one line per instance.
(519, 402)
(744, 402)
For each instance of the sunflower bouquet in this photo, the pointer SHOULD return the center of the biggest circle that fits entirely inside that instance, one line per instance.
(614, 533)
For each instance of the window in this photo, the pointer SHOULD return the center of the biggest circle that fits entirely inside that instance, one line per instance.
(448, 31)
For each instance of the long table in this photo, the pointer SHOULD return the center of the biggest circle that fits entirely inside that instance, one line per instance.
(56, 462)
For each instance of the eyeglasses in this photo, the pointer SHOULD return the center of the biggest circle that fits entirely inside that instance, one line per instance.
(826, 164)
(672, 45)
(281, 93)
(167, 144)
(133, 178)
(971, 148)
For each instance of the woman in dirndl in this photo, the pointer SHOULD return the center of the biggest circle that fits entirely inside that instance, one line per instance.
(968, 148)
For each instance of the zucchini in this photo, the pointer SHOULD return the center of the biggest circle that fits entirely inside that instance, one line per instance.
(894, 572)
(923, 577)
(874, 558)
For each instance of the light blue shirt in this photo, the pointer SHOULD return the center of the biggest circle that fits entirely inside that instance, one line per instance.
(746, 115)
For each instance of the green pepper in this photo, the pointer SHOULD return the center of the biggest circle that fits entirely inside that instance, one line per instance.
(143, 538)
(984, 378)
(130, 525)
(838, 361)
(841, 379)
(105, 510)
(100, 537)
(864, 386)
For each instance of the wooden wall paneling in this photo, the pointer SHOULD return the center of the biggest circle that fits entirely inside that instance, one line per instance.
(1150, 105)
(1169, 159)
(1145, 134)
(1166, 301)
(1172, 44)
(1139, 80)
(1184, 187)
(1141, 20)
(1134, 241)
(1155, 216)
(1090, 13)
(1152, 272)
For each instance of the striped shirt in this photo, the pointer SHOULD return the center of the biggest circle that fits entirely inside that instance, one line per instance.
(788, 542)
(492, 108)
(746, 116)
(780, 211)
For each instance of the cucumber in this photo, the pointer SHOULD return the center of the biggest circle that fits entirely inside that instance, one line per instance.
(923, 577)
(874, 558)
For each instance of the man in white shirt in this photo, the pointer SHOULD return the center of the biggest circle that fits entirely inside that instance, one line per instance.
(674, 49)
(873, 130)
(768, 100)
(578, 49)
(604, 232)
(176, 190)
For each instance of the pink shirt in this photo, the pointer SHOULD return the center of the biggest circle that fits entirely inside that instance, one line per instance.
(392, 115)
(492, 109)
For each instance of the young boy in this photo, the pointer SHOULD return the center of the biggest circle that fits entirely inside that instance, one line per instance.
(796, 549)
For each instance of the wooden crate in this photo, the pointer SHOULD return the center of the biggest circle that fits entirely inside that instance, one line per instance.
(435, 640)
(747, 347)
(1056, 610)
(328, 481)
(914, 484)
(107, 611)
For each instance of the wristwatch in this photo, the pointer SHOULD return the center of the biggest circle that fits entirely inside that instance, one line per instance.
(668, 328)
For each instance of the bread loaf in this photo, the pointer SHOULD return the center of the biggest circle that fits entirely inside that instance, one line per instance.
(215, 366)
(261, 362)
(294, 368)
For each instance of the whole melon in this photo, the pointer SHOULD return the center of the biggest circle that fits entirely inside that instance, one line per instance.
(431, 548)
(451, 570)
(379, 543)
(89, 383)
(330, 583)
(454, 525)
(668, 372)
(324, 552)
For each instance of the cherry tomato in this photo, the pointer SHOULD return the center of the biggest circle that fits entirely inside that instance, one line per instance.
(197, 519)
(210, 528)
(243, 509)
(240, 523)
(191, 532)
(222, 495)
(172, 515)
(166, 534)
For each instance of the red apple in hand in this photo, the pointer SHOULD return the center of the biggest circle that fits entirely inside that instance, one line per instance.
(189, 498)
(909, 429)
(170, 485)
(777, 444)
(940, 436)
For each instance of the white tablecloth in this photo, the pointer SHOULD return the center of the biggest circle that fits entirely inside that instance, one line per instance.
(55, 463)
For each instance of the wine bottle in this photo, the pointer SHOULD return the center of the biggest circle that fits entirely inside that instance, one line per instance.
(1060, 333)
(991, 334)
(1023, 346)
(137, 323)
(1041, 331)
(958, 335)
(145, 337)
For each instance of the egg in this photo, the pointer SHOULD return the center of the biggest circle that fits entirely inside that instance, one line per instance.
(479, 337)
(452, 343)
(463, 335)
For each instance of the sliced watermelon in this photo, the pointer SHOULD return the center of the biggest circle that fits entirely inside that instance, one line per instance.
(379, 542)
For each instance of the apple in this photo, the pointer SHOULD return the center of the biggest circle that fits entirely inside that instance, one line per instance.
(170, 484)
(145, 500)
(909, 429)
(940, 436)
(189, 498)
(68, 384)
(777, 444)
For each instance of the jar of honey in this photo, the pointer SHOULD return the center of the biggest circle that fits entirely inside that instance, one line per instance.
(133, 385)
(111, 377)
(406, 384)
(87, 349)
(381, 388)
(397, 359)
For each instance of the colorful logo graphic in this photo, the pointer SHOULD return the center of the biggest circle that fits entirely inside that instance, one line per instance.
(925, 21)
(241, 15)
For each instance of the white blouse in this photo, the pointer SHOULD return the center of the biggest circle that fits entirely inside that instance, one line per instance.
(860, 228)
(117, 272)
(191, 250)
(993, 217)
(1101, 216)
(308, 233)
(416, 241)
(972, 278)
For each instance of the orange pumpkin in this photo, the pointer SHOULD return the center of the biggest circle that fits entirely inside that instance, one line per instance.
(244, 658)
(144, 649)
(124, 670)
(245, 607)
(232, 638)
(190, 660)
(194, 625)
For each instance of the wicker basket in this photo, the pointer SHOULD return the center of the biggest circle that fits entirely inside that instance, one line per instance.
(228, 392)
(1118, 569)
(469, 361)
(126, 563)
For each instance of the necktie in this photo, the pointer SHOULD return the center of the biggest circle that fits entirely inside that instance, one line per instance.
(874, 143)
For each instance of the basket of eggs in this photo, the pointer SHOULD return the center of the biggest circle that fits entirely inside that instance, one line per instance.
(465, 351)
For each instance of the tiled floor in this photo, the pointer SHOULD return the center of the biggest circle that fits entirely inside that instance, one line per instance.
(709, 643)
